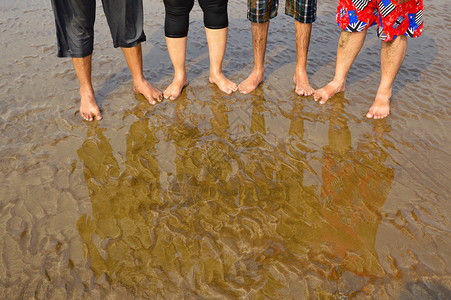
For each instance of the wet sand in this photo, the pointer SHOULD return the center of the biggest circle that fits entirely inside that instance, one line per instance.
(260, 196)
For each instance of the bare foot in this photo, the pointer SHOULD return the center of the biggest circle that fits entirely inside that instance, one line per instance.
(88, 105)
(325, 93)
(223, 83)
(303, 87)
(174, 90)
(144, 88)
(380, 108)
(251, 83)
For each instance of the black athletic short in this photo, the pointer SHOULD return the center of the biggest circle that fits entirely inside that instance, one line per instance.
(177, 16)
(75, 24)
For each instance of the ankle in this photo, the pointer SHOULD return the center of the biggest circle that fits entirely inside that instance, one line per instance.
(259, 72)
(139, 82)
(384, 91)
(384, 95)
(300, 70)
(301, 75)
(180, 77)
(86, 90)
(338, 83)
(215, 73)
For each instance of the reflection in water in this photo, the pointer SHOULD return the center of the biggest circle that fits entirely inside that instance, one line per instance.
(222, 195)
(355, 186)
(122, 202)
(237, 218)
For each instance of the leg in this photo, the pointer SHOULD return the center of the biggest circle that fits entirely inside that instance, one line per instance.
(304, 13)
(259, 39)
(349, 46)
(217, 40)
(302, 31)
(392, 56)
(125, 19)
(88, 105)
(133, 56)
(177, 53)
(216, 29)
(176, 31)
(75, 33)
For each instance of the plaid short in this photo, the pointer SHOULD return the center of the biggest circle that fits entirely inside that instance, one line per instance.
(261, 11)
(392, 18)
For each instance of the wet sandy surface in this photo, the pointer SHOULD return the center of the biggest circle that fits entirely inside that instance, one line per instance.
(267, 195)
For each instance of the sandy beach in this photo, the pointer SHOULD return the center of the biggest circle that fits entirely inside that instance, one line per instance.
(262, 196)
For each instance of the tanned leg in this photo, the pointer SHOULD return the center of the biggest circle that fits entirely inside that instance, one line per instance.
(302, 31)
(217, 41)
(259, 38)
(349, 46)
(133, 56)
(392, 56)
(177, 53)
(88, 105)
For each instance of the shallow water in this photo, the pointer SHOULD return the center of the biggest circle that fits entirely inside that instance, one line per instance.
(267, 195)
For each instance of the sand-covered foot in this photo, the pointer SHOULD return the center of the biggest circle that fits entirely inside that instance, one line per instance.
(380, 108)
(174, 90)
(89, 110)
(325, 93)
(303, 87)
(144, 88)
(251, 83)
(223, 83)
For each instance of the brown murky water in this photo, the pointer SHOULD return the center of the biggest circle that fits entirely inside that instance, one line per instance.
(264, 196)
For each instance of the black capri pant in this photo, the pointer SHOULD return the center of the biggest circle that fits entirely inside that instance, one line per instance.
(75, 24)
(177, 16)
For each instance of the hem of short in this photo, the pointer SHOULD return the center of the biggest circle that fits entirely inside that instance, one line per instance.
(383, 40)
(361, 30)
(413, 37)
(175, 36)
(73, 55)
(131, 45)
(302, 21)
(263, 21)
(217, 27)
(403, 34)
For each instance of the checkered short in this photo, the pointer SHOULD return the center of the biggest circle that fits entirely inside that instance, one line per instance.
(261, 11)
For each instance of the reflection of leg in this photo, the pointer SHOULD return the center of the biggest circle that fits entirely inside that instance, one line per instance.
(392, 56)
(86, 228)
(133, 56)
(300, 78)
(177, 53)
(349, 46)
(217, 41)
(88, 105)
(259, 38)
(297, 120)
(258, 117)
(220, 121)
(339, 133)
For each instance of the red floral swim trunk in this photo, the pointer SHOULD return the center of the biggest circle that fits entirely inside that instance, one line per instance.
(392, 18)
